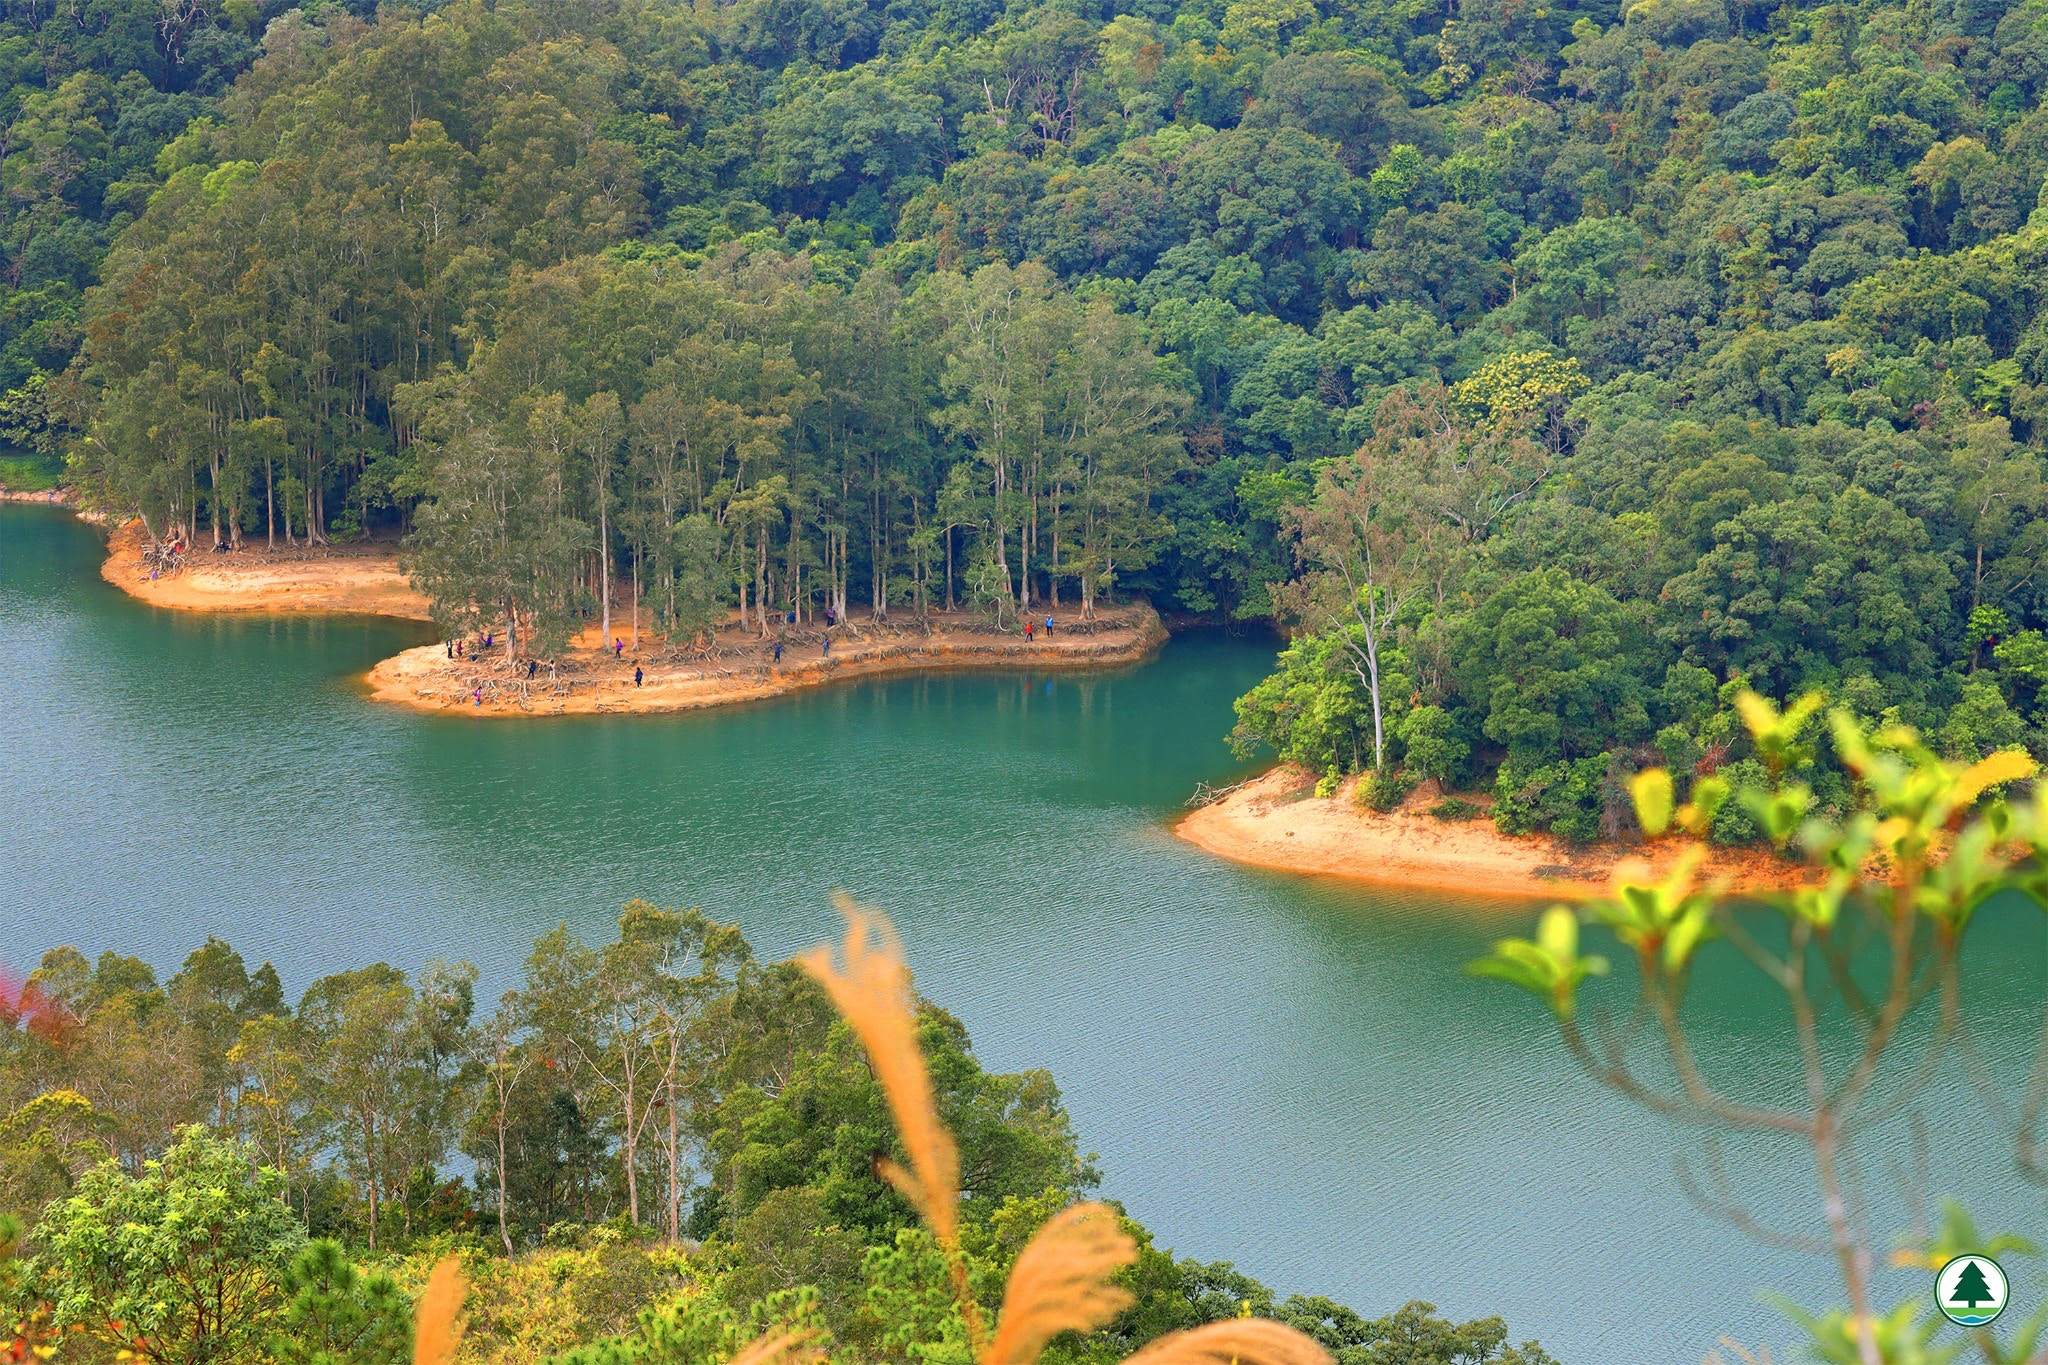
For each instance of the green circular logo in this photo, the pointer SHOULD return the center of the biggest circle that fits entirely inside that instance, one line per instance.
(1970, 1291)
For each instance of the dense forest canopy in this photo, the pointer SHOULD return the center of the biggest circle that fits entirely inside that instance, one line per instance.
(1553, 371)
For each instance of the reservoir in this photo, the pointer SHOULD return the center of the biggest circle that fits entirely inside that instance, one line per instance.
(1292, 1074)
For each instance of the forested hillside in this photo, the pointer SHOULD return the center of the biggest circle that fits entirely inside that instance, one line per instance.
(1685, 346)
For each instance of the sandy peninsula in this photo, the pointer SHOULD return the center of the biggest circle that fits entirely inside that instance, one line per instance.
(1277, 822)
(733, 665)
(738, 665)
(363, 580)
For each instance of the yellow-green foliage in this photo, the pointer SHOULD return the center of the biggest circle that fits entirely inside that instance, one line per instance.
(1515, 387)
(549, 1301)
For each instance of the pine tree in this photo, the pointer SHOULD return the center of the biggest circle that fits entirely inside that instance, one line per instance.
(1971, 1288)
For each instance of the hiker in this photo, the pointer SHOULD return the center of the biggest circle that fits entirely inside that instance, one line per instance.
(778, 651)
(636, 675)
(477, 695)
(792, 616)
(1027, 632)
(451, 649)
(532, 667)
(826, 652)
(1048, 627)
(462, 649)
(831, 618)
(618, 648)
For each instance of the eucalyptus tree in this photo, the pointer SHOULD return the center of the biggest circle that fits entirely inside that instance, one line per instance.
(499, 541)
(278, 1102)
(1002, 332)
(1119, 422)
(602, 425)
(502, 1060)
(387, 1066)
(627, 1018)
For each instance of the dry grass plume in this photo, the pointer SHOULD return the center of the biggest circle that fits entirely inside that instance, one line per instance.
(789, 1346)
(1062, 1282)
(872, 990)
(1234, 1341)
(1064, 1279)
(437, 1327)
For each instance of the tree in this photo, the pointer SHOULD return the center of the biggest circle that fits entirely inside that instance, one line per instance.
(276, 1097)
(820, 1128)
(498, 543)
(336, 1314)
(1002, 331)
(504, 1064)
(1312, 711)
(179, 1265)
(1117, 423)
(626, 1016)
(384, 1057)
(1971, 1288)
(1433, 749)
(1371, 550)
(603, 429)
(1550, 665)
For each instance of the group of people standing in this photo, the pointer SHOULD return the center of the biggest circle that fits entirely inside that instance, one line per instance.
(789, 621)
(458, 648)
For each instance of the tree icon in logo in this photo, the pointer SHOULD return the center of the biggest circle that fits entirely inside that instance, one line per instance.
(1971, 1288)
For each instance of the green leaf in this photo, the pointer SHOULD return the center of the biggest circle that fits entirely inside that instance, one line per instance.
(1709, 794)
(1694, 927)
(1549, 968)
(1652, 793)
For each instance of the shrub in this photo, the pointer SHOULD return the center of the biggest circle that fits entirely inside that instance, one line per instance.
(1565, 798)
(1734, 824)
(1453, 808)
(181, 1263)
(1383, 790)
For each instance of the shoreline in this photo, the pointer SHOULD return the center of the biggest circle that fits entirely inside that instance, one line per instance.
(48, 497)
(738, 666)
(1272, 822)
(1275, 822)
(735, 666)
(354, 582)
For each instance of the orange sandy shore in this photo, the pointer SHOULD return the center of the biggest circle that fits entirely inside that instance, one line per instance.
(1277, 822)
(1272, 822)
(740, 666)
(341, 579)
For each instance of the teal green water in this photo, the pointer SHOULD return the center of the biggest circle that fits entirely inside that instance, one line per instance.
(1289, 1073)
